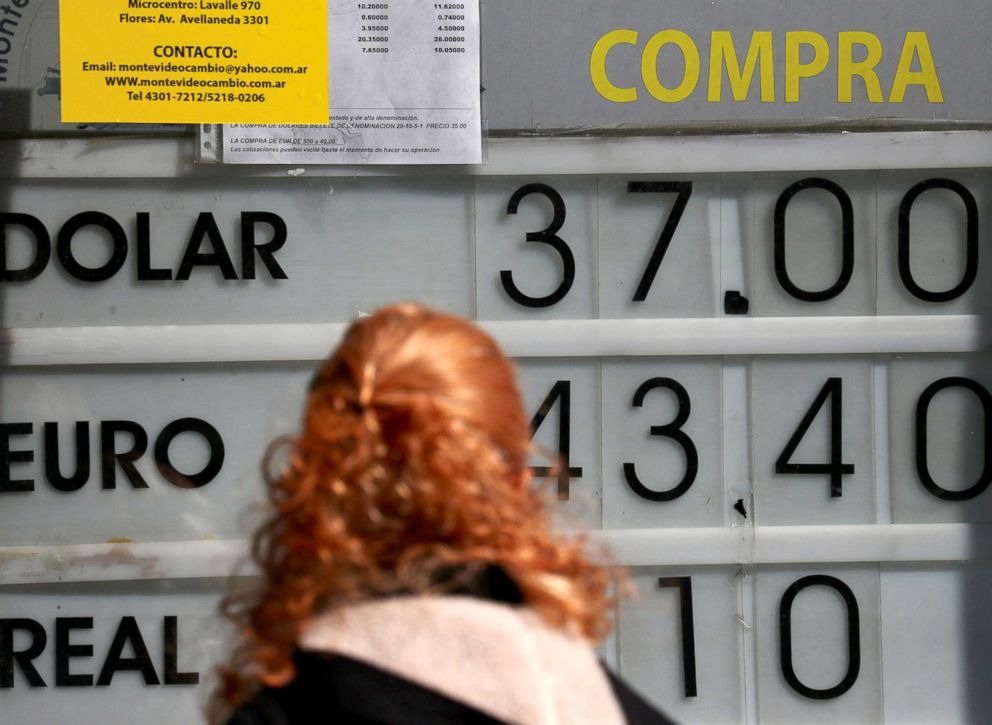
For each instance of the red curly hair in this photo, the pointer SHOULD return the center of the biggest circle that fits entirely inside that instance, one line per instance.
(412, 461)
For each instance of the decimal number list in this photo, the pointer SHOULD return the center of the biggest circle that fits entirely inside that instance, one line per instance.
(449, 35)
(446, 26)
(373, 30)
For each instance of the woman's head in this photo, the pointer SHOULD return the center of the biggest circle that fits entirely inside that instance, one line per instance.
(411, 464)
(413, 450)
(421, 373)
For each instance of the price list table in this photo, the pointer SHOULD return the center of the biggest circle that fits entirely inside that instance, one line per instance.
(447, 26)
(769, 390)
(403, 86)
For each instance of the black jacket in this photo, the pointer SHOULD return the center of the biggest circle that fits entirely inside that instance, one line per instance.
(331, 689)
(401, 668)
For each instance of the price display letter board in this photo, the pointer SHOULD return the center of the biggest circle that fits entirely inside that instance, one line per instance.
(770, 391)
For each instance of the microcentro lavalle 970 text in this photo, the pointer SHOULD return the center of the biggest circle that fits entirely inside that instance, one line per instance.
(192, 5)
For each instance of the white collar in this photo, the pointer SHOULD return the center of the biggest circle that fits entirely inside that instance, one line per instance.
(500, 659)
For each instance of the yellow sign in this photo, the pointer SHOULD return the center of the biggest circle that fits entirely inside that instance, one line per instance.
(194, 61)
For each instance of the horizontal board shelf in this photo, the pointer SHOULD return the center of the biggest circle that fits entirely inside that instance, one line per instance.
(885, 543)
(169, 157)
(548, 338)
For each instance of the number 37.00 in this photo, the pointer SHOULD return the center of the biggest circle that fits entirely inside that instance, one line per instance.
(683, 192)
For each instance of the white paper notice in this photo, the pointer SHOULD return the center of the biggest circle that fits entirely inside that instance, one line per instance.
(404, 89)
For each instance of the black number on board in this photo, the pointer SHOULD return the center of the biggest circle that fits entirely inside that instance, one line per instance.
(853, 637)
(671, 430)
(833, 390)
(922, 412)
(683, 189)
(847, 240)
(561, 393)
(548, 235)
(684, 585)
(971, 240)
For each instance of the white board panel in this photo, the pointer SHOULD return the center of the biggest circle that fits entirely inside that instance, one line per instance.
(799, 263)
(662, 451)
(537, 261)
(565, 396)
(349, 246)
(940, 431)
(933, 208)
(935, 634)
(693, 680)
(92, 497)
(656, 250)
(159, 351)
(833, 396)
(837, 686)
(104, 652)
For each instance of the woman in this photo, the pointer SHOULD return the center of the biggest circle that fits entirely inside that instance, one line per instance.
(410, 574)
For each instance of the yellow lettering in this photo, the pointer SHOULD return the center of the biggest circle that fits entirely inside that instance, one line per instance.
(847, 67)
(916, 44)
(795, 69)
(597, 66)
(722, 53)
(649, 66)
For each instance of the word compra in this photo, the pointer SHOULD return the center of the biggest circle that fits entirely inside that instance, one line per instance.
(807, 54)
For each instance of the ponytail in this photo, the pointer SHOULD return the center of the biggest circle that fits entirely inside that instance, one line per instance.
(411, 461)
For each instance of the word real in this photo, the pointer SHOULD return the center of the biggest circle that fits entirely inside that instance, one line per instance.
(127, 653)
(807, 54)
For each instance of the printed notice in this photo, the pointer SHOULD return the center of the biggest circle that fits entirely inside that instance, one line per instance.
(194, 61)
(404, 89)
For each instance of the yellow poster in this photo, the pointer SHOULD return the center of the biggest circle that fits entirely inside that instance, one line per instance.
(194, 61)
